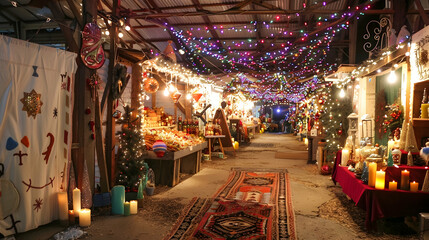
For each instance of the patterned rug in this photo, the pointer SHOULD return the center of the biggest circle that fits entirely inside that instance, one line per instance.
(253, 204)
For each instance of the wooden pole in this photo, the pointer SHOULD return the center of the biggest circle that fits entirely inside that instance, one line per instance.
(110, 128)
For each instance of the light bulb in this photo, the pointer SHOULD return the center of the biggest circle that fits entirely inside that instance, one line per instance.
(188, 96)
(127, 28)
(342, 93)
(107, 33)
(120, 35)
(166, 92)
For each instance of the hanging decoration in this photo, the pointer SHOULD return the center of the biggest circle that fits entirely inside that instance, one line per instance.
(196, 95)
(92, 52)
(159, 148)
(176, 96)
(151, 85)
(120, 80)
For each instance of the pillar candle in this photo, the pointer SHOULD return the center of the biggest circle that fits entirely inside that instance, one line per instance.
(76, 202)
(345, 155)
(380, 179)
(63, 206)
(414, 186)
(133, 207)
(85, 217)
(390, 145)
(357, 154)
(405, 179)
(127, 209)
(372, 170)
(118, 199)
(393, 186)
(71, 217)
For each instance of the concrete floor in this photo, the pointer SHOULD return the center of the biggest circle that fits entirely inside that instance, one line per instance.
(310, 191)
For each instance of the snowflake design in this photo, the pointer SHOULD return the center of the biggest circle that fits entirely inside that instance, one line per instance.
(38, 204)
(55, 112)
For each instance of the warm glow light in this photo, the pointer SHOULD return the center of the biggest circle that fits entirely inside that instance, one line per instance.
(166, 92)
(107, 33)
(181, 51)
(188, 96)
(120, 35)
(392, 77)
(342, 93)
(127, 28)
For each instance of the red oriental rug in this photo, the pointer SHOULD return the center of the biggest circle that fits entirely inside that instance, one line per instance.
(253, 204)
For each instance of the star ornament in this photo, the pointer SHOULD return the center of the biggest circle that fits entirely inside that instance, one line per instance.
(38, 205)
(32, 103)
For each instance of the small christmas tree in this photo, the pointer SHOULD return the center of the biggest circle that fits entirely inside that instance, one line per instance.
(334, 121)
(130, 155)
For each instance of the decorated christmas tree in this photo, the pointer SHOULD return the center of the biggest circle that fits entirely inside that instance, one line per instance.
(130, 154)
(334, 120)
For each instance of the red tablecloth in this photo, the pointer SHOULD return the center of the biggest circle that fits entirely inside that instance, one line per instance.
(381, 203)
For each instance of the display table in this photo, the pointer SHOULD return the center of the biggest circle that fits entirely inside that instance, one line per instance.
(168, 168)
(381, 203)
(211, 139)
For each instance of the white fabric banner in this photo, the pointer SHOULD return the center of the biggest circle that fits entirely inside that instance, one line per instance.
(35, 130)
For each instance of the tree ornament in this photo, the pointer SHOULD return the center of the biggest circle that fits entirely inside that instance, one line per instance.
(159, 148)
(150, 85)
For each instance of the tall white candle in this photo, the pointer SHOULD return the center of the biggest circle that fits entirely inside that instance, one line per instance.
(76, 201)
(85, 217)
(63, 206)
(133, 207)
(345, 156)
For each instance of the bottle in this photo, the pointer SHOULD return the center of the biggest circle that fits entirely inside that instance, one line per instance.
(424, 98)
(424, 106)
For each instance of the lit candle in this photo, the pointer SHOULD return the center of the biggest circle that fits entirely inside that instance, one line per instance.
(76, 201)
(71, 217)
(127, 209)
(133, 207)
(414, 186)
(393, 186)
(345, 155)
(379, 179)
(85, 217)
(306, 141)
(405, 179)
(63, 206)
(372, 170)
(390, 144)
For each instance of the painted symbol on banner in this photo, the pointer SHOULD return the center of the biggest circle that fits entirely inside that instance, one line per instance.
(25, 141)
(38, 205)
(55, 112)
(63, 83)
(51, 182)
(13, 223)
(47, 153)
(11, 144)
(32, 103)
(20, 155)
(35, 74)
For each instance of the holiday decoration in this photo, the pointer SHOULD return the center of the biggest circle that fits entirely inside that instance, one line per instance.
(32, 103)
(130, 154)
(120, 80)
(197, 95)
(425, 186)
(93, 83)
(176, 96)
(35, 159)
(150, 85)
(92, 52)
(424, 153)
(159, 148)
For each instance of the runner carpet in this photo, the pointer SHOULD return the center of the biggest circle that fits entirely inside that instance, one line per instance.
(252, 204)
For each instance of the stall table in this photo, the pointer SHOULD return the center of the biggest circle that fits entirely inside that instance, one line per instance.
(381, 203)
(167, 169)
(211, 139)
